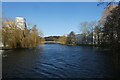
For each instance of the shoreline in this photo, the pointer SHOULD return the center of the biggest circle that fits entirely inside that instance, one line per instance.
(84, 45)
(2, 48)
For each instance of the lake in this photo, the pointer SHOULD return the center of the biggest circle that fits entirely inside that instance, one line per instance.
(59, 61)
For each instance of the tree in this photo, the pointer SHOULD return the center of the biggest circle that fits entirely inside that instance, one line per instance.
(97, 35)
(112, 29)
(62, 40)
(8, 37)
(84, 29)
(87, 28)
(70, 38)
(110, 22)
(14, 37)
(106, 13)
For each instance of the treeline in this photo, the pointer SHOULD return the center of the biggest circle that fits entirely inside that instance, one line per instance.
(52, 38)
(103, 33)
(13, 37)
(59, 39)
(64, 40)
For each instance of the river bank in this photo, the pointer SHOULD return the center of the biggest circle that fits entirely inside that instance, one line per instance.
(3, 48)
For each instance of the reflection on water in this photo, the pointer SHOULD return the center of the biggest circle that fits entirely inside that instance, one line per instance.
(59, 61)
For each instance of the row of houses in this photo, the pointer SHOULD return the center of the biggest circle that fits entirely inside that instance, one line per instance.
(92, 38)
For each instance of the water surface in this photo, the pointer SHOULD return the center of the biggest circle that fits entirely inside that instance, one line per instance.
(59, 61)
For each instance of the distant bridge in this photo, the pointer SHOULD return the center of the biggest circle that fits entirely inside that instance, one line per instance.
(52, 42)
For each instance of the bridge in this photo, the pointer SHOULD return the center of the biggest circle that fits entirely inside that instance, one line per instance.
(52, 42)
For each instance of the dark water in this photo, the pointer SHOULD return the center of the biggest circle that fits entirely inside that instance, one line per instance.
(59, 61)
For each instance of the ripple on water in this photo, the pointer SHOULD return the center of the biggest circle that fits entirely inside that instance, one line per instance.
(58, 61)
(49, 68)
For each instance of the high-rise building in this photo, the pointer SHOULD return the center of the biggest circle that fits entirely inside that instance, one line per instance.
(20, 23)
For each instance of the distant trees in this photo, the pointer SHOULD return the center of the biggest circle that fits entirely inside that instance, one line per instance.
(97, 35)
(90, 32)
(57, 39)
(62, 40)
(52, 38)
(85, 30)
(13, 37)
(71, 38)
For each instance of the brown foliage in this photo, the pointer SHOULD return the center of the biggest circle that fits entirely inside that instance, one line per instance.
(62, 40)
(13, 37)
